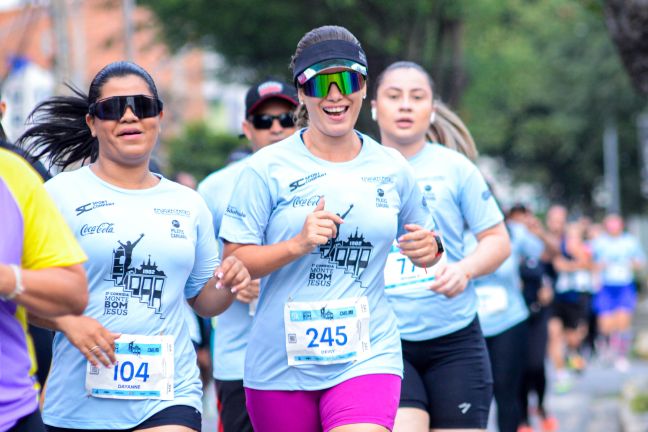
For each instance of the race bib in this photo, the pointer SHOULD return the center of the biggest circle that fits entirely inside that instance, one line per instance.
(618, 274)
(327, 332)
(144, 370)
(491, 299)
(402, 276)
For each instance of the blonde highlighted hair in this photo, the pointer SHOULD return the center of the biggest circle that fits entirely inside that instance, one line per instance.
(448, 129)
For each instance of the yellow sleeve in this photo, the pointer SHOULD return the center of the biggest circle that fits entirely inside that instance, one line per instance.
(48, 241)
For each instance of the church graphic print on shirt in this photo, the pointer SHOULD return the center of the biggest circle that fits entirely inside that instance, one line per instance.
(145, 282)
(352, 255)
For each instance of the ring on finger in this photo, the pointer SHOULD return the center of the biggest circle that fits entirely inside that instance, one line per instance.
(96, 347)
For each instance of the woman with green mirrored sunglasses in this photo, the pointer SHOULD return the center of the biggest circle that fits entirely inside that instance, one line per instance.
(314, 216)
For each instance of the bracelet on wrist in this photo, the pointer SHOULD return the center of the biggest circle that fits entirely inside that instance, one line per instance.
(18, 286)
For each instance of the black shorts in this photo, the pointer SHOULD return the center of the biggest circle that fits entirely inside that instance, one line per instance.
(450, 378)
(178, 415)
(232, 412)
(573, 311)
(30, 423)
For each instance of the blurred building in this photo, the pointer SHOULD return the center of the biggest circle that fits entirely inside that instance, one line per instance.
(46, 43)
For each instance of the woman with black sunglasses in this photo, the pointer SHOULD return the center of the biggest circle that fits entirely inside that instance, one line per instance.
(315, 216)
(128, 363)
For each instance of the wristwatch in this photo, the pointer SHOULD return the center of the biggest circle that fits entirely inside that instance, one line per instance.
(439, 244)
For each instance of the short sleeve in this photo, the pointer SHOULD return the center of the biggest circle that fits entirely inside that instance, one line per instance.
(248, 212)
(528, 245)
(212, 205)
(48, 241)
(477, 203)
(206, 257)
(414, 209)
(638, 252)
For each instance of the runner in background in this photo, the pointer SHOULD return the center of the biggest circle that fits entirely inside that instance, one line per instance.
(618, 257)
(128, 362)
(269, 110)
(573, 287)
(538, 295)
(40, 273)
(315, 216)
(447, 381)
(199, 327)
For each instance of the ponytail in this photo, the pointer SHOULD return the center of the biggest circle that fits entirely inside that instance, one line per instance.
(59, 131)
(449, 130)
(301, 116)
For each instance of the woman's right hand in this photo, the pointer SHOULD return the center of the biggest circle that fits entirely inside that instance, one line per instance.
(94, 341)
(319, 227)
(250, 293)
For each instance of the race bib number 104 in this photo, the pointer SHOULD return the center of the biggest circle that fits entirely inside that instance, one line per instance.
(144, 370)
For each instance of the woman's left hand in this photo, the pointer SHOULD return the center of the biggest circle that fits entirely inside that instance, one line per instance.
(232, 275)
(419, 245)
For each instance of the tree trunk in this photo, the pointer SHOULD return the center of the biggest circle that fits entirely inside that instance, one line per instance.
(627, 22)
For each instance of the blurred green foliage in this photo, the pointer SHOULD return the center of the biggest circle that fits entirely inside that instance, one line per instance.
(544, 78)
(639, 404)
(200, 151)
(535, 80)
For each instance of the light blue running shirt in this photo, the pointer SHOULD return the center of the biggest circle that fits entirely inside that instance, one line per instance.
(148, 250)
(233, 325)
(458, 196)
(617, 253)
(500, 293)
(376, 195)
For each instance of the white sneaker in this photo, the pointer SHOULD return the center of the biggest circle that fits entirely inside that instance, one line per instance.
(622, 364)
(563, 382)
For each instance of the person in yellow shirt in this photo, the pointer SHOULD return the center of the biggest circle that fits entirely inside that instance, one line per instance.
(40, 273)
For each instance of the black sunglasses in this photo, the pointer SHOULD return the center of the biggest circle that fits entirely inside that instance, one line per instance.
(113, 108)
(264, 121)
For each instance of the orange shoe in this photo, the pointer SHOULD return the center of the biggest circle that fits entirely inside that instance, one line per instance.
(525, 428)
(549, 424)
(576, 362)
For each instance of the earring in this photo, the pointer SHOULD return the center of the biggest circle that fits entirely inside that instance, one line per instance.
(432, 117)
(373, 114)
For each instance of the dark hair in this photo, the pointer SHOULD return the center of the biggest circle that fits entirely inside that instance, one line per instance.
(59, 130)
(447, 128)
(402, 65)
(319, 34)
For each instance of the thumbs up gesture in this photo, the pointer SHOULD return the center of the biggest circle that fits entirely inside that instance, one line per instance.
(319, 227)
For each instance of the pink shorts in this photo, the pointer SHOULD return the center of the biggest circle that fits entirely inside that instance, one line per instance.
(364, 399)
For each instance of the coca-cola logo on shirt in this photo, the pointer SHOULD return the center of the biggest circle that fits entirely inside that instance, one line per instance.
(102, 228)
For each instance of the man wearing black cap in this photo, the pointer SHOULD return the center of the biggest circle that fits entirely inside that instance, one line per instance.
(269, 107)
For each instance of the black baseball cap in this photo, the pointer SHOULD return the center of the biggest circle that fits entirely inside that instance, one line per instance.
(328, 54)
(269, 88)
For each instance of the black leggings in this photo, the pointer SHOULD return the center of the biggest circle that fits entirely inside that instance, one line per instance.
(534, 378)
(29, 423)
(507, 353)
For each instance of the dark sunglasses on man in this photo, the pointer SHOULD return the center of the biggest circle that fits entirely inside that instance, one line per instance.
(113, 108)
(264, 121)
